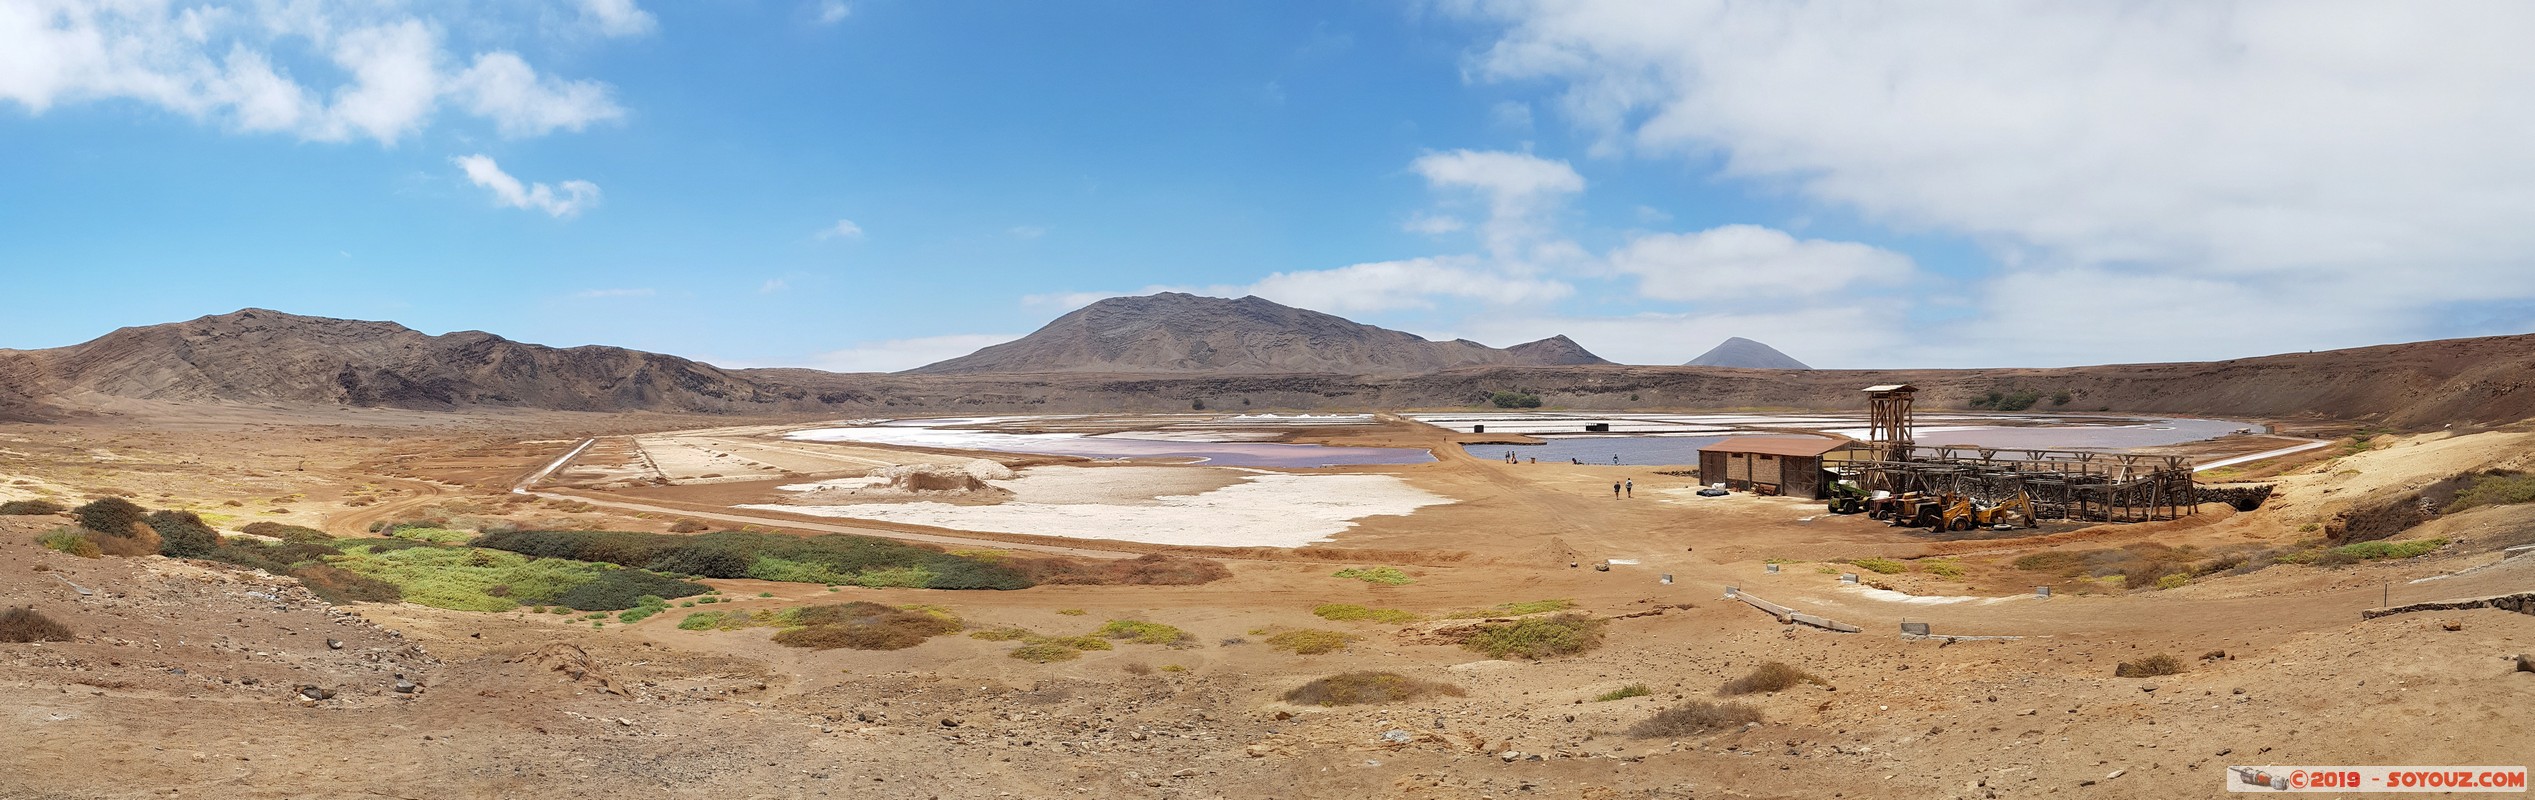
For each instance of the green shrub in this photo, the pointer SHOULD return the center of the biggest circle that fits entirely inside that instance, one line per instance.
(182, 534)
(1538, 637)
(1004, 634)
(2371, 551)
(2175, 581)
(1344, 612)
(1363, 688)
(862, 626)
(289, 533)
(1623, 693)
(1514, 609)
(30, 508)
(1387, 576)
(1142, 632)
(1944, 567)
(2014, 400)
(1045, 653)
(1310, 642)
(615, 589)
(112, 516)
(909, 577)
(421, 533)
(475, 579)
(68, 540)
(1770, 677)
(830, 559)
(644, 608)
(1514, 400)
(1879, 566)
(2506, 488)
(1693, 718)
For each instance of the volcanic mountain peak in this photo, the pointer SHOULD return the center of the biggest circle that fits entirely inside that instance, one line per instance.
(1178, 332)
(262, 356)
(1747, 354)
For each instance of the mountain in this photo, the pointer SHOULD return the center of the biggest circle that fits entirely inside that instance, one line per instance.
(1745, 354)
(285, 362)
(1184, 333)
(267, 357)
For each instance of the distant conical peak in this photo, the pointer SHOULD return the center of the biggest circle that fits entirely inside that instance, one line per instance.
(1744, 353)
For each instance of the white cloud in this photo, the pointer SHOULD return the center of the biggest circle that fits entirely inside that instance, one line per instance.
(1409, 283)
(831, 12)
(561, 200)
(502, 87)
(1433, 224)
(1741, 261)
(1027, 231)
(843, 229)
(774, 286)
(609, 293)
(2369, 157)
(900, 354)
(618, 17)
(1522, 192)
(1513, 115)
(319, 71)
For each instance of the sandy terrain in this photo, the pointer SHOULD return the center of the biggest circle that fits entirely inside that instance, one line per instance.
(662, 712)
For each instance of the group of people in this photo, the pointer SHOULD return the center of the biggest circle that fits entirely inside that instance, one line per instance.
(1625, 487)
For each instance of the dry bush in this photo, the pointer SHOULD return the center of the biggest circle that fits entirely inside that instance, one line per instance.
(1766, 678)
(689, 526)
(141, 542)
(1145, 570)
(1538, 637)
(69, 540)
(28, 625)
(1045, 653)
(182, 534)
(1142, 632)
(1361, 688)
(2150, 667)
(338, 585)
(1310, 642)
(1693, 718)
(287, 533)
(30, 508)
(113, 516)
(863, 626)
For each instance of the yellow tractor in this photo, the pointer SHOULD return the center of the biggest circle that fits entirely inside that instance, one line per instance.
(1955, 514)
(2013, 510)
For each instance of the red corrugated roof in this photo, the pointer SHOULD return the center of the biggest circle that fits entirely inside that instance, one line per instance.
(1776, 445)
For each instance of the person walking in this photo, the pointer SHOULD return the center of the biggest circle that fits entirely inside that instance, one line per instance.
(1615, 460)
(1615, 490)
(1632, 487)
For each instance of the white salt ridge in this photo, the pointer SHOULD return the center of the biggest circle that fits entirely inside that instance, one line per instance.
(1267, 510)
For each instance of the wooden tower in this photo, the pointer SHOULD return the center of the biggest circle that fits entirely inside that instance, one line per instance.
(1888, 421)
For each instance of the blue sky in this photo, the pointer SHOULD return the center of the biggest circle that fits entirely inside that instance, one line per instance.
(875, 185)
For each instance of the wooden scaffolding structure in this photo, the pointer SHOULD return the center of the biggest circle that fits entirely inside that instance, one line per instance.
(2062, 484)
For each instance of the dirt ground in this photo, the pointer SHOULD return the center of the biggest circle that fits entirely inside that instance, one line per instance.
(183, 679)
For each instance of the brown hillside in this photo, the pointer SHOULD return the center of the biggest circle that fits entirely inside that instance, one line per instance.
(1174, 332)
